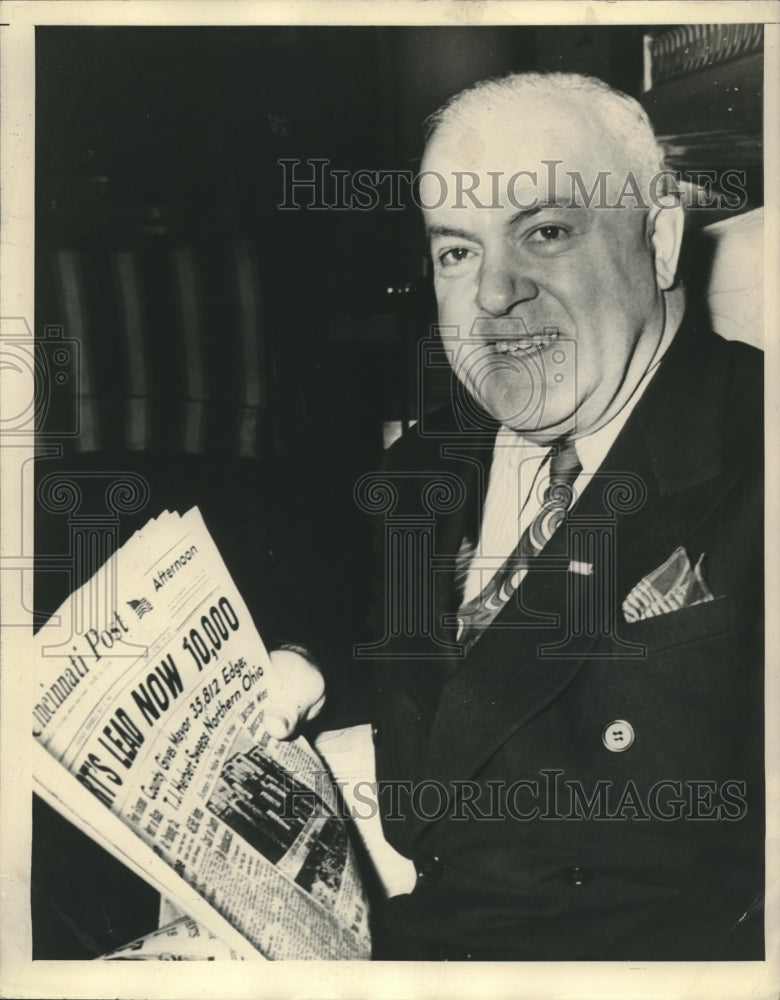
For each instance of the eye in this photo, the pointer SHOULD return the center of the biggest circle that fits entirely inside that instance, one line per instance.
(454, 256)
(548, 234)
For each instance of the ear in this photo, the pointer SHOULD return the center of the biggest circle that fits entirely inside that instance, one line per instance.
(665, 230)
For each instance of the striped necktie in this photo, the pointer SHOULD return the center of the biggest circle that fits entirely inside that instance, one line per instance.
(475, 615)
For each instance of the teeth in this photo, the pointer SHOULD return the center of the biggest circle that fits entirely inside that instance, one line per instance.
(525, 344)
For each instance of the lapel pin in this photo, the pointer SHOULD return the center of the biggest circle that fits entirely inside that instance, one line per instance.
(583, 568)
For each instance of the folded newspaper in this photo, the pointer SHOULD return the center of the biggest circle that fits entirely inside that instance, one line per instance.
(181, 940)
(150, 686)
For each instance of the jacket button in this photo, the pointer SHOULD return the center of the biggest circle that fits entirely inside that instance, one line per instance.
(618, 736)
(429, 867)
(374, 733)
(578, 875)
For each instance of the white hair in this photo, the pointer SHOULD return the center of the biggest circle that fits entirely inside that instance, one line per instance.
(620, 116)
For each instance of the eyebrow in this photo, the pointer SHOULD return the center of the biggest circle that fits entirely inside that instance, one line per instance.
(464, 234)
(461, 234)
(527, 213)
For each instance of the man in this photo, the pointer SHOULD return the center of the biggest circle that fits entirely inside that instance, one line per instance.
(585, 715)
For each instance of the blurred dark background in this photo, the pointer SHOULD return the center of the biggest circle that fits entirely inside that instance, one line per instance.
(249, 360)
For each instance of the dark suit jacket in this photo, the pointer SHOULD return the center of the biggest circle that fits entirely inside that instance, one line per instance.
(536, 870)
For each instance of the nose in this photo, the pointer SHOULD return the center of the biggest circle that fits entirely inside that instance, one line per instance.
(502, 285)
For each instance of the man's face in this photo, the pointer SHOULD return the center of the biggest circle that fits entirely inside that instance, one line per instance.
(552, 315)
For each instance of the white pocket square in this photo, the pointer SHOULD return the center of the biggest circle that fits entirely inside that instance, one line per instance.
(673, 585)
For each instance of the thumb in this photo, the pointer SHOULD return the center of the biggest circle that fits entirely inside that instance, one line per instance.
(298, 695)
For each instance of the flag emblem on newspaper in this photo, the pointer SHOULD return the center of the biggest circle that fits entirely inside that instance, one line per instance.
(141, 607)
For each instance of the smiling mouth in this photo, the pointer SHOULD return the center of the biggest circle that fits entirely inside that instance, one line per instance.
(525, 344)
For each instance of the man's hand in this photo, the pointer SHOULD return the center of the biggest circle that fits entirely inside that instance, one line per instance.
(299, 697)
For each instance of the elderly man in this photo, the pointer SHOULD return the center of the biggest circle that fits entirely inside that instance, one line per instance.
(580, 730)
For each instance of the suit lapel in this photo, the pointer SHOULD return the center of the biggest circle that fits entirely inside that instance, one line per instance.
(473, 469)
(670, 451)
(509, 675)
(469, 462)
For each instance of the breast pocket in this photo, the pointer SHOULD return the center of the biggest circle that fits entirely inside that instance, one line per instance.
(707, 620)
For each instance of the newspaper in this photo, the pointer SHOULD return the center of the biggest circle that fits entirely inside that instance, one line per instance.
(349, 757)
(150, 685)
(182, 940)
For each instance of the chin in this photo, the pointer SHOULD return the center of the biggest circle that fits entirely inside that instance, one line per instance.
(527, 407)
